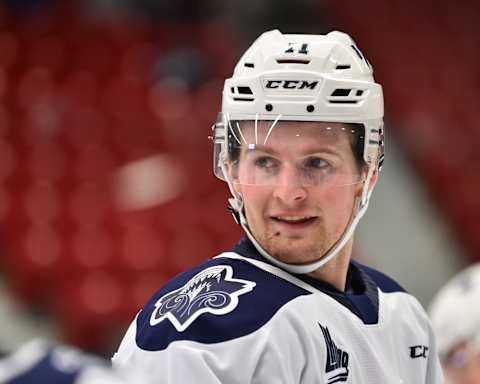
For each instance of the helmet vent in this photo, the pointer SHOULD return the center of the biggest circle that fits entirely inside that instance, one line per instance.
(343, 66)
(343, 101)
(292, 61)
(249, 65)
(242, 93)
(346, 96)
(341, 92)
(243, 99)
(245, 91)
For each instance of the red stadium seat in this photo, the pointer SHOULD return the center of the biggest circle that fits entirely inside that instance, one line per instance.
(92, 248)
(86, 126)
(5, 116)
(169, 102)
(34, 258)
(143, 249)
(190, 246)
(7, 160)
(94, 164)
(9, 46)
(47, 52)
(90, 203)
(89, 309)
(36, 86)
(80, 88)
(47, 161)
(42, 203)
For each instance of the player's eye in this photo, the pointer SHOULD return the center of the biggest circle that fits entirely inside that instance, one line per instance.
(315, 162)
(266, 162)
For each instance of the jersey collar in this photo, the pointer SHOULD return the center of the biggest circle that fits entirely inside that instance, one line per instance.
(360, 295)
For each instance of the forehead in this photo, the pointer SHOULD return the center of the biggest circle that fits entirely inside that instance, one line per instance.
(270, 134)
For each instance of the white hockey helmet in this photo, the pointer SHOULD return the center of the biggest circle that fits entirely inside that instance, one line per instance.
(306, 78)
(455, 311)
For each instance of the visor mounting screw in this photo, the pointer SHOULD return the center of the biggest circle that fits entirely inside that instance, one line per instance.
(310, 108)
(269, 107)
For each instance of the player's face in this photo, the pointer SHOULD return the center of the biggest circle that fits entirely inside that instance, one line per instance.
(462, 366)
(302, 193)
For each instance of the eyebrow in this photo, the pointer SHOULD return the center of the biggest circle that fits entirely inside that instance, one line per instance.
(309, 150)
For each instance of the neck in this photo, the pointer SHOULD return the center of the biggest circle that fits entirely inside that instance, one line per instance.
(335, 271)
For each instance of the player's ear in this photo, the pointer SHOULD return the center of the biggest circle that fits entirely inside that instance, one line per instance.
(373, 181)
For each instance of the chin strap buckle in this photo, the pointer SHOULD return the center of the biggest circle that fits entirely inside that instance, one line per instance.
(232, 207)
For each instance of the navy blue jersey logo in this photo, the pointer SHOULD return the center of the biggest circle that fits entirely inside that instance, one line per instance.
(336, 366)
(213, 290)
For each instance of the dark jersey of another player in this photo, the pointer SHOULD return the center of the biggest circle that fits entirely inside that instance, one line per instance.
(41, 363)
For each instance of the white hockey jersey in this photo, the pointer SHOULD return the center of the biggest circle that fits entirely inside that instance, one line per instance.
(239, 319)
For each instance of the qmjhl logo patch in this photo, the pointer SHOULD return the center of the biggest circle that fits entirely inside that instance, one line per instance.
(336, 367)
(213, 290)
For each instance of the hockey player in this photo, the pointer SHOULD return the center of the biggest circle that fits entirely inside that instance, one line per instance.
(300, 143)
(455, 314)
(39, 362)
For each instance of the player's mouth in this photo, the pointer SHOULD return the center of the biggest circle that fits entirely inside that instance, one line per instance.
(295, 221)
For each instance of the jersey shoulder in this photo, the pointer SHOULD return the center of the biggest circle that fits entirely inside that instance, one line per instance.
(219, 300)
(384, 282)
(404, 307)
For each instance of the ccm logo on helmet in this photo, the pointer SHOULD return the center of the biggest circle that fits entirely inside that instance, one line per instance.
(290, 84)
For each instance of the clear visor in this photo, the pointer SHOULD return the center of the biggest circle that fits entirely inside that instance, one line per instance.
(289, 153)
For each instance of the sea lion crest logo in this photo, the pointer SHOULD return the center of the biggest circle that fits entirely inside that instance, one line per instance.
(213, 290)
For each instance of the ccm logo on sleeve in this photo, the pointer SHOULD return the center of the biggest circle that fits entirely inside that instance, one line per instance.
(417, 351)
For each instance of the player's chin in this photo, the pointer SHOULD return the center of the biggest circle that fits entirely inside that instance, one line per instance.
(294, 251)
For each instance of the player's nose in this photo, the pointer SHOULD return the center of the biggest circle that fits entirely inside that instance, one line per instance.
(290, 188)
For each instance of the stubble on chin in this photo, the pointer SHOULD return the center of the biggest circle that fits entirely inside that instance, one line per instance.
(295, 250)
